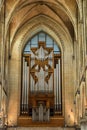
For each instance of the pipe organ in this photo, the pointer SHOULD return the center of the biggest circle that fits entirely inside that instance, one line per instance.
(41, 94)
(57, 85)
(25, 86)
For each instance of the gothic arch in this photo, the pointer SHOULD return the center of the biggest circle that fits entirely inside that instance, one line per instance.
(29, 29)
(61, 7)
(26, 32)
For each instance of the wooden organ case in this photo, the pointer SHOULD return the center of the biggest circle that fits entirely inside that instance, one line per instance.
(41, 98)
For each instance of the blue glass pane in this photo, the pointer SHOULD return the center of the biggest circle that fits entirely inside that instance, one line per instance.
(42, 36)
(49, 40)
(34, 40)
(26, 52)
(34, 45)
(27, 48)
(56, 48)
(49, 45)
(56, 52)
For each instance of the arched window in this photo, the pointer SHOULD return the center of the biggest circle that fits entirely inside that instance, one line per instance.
(41, 77)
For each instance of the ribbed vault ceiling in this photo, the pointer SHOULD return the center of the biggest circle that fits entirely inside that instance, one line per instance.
(62, 12)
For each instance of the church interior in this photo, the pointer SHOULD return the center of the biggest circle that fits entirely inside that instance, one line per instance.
(43, 64)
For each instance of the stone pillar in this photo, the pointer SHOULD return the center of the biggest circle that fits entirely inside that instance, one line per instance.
(84, 32)
(0, 96)
(86, 85)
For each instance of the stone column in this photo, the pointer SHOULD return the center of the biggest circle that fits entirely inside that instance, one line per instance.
(2, 54)
(86, 84)
(0, 96)
(84, 31)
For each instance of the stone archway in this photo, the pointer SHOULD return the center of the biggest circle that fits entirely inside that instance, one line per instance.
(15, 66)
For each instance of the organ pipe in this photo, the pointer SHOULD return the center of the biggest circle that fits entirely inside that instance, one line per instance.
(51, 83)
(59, 84)
(41, 112)
(46, 85)
(23, 81)
(25, 86)
(30, 83)
(27, 82)
(55, 85)
(42, 73)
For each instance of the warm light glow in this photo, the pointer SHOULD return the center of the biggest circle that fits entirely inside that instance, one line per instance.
(71, 116)
(12, 113)
(11, 121)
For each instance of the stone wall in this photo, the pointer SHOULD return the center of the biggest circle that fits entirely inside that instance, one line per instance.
(68, 29)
